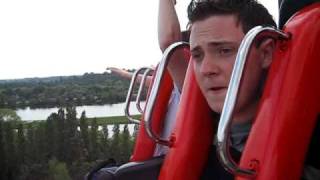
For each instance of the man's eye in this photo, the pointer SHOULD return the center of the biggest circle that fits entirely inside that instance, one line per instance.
(225, 51)
(196, 56)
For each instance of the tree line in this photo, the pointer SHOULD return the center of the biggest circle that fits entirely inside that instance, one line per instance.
(61, 147)
(88, 89)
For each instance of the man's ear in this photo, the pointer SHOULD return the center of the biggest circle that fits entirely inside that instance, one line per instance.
(266, 49)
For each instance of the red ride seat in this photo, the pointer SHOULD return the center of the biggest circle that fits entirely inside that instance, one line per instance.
(280, 136)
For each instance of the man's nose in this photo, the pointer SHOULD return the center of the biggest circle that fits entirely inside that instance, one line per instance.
(209, 66)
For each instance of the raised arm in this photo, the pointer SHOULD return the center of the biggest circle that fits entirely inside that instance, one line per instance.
(128, 75)
(121, 72)
(168, 24)
(169, 32)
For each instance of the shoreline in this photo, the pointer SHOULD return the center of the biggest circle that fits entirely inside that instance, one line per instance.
(100, 120)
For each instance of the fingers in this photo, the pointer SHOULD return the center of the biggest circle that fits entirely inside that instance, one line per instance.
(115, 70)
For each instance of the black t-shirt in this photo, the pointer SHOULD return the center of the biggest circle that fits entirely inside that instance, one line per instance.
(214, 170)
(239, 135)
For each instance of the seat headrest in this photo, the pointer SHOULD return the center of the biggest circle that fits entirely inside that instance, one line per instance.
(289, 7)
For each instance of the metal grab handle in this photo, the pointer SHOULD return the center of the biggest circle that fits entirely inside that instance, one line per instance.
(142, 84)
(231, 98)
(154, 92)
(129, 95)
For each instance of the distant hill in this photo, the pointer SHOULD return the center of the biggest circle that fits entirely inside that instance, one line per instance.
(34, 80)
(87, 89)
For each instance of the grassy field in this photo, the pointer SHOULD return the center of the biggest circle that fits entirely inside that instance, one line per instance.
(114, 120)
(100, 120)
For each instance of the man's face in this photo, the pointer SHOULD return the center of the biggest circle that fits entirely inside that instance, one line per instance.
(214, 43)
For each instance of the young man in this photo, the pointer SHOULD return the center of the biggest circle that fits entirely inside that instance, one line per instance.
(217, 29)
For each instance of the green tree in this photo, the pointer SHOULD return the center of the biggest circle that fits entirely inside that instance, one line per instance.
(84, 131)
(3, 160)
(115, 143)
(94, 153)
(52, 136)
(72, 138)
(10, 149)
(49, 92)
(61, 135)
(31, 147)
(9, 115)
(58, 170)
(71, 121)
(105, 142)
(125, 145)
(21, 145)
(40, 143)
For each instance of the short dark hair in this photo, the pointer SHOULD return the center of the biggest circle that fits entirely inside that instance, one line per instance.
(185, 35)
(250, 13)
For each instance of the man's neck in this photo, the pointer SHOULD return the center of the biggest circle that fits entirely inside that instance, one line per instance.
(246, 114)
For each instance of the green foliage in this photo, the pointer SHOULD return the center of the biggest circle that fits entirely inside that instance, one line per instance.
(52, 135)
(58, 170)
(9, 115)
(88, 89)
(94, 140)
(105, 142)
(40, 143)
(101, 120)
(31, 145)
(9, 146)
(61, 147)
(61, 144)
(114, 120)
(72, 146)
(3, 160)
(84, 134)
(10, 149)
(125, 145)
(21, 144)
(115, 142)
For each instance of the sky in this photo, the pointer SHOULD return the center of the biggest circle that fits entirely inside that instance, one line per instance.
(41, 38)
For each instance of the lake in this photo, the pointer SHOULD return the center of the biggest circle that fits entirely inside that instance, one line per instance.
(106, 110)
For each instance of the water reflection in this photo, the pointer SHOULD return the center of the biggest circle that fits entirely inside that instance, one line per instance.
(106, 110)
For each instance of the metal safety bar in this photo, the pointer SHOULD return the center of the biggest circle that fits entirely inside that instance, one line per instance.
(155, 91)
(129, 95)
(142, 84)
(231, 98)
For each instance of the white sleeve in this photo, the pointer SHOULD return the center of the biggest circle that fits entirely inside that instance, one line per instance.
(169, 121)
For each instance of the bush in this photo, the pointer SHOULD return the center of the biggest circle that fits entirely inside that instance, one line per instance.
(58, 170)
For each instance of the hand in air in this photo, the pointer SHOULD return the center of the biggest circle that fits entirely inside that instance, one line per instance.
(121, 72)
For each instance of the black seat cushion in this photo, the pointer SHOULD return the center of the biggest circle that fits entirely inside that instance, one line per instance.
(140, 170)
(149, 169)
(289, 7)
